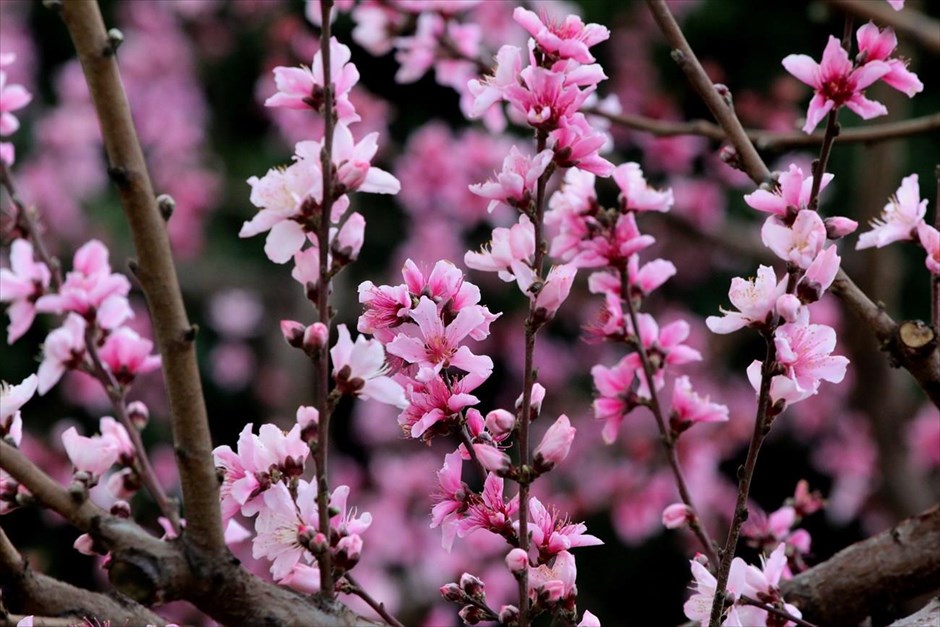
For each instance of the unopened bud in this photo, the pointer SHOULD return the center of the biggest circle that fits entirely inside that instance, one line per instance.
(348, 551)
(500, 422)
(471, 614)
(473, 586)
(677, 515)
(788, 306)
(839, 226)
(121, 509)
(293, 333)
(508, 615)
(491, 458)
(517, 561)
(452, 592)
(309, 420)
(730, 156)
(316, 337)
(139, 414)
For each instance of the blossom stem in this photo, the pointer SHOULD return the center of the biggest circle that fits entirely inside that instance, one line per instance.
(745, 476)
(668, 439)
(832, 131)
(531, 328)
(352, 587)
(27, 222)
(935, 278)
(118, 397)
(776, 611)
(321, 362)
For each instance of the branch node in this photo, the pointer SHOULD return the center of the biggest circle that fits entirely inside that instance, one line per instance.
(189, 335)
(119, 175)
(134, 268)
(115, 39)
(166, 205)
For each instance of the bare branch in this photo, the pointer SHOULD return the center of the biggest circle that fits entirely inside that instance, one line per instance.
(157, 274)
(900, 563)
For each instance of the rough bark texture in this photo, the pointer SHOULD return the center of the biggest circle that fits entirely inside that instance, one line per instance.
(928, 616)
(898, 564)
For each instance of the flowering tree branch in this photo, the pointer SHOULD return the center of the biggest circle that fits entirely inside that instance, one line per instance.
(156, 272)
(772, 140)
(917, 353)
(923, 28)
(900, 563)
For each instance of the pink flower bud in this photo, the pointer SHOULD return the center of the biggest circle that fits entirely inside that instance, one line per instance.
(839, 226)
(551, 592)
(348, 551)
(535, 402)
(293, 333)
(556, 289)
(788, 306)
(800, 540)
(677, 515)
(84, 545)
(452, 592)
(472, 585)
(517, 561)
(121, 509)
(508, 615)
(316, 337)
(492, 458)
(500, 422)
(309, 419)
(555, 443)
(303, 578)
(139, 414)
(470, 614)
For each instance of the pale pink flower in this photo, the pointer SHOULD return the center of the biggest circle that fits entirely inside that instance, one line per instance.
(789, 307)
(838, 227)
(568, 39)
(347, 244)
(699, 605)
(930, 239)
(805, 353)
(508, 251)
(677, 515)
(635, 194)
(91, 287)
(790, 195)
(555, 443)
(12, 398)
(352, 161)
(616, 397)
(899, 218)
(439, 345)
(877, 45)
(63, 349)
(22, 285)
(689, 408)
(551, 584)
(127, 355)
(94, 455)
(589, 620)
(233, 468)
(554, 291)
(799, 243)
(819, 276)
(302, 578)
(763, 583)
(836, 83)
(755, 300)
(7, 153)
(517, 561)
(492, 458)
(359, 369)
(897, 5)
(12, 97)
(450, 501)
(26, 621)
(491, 89)
(111, 428)
(515, 185)
(283, 526)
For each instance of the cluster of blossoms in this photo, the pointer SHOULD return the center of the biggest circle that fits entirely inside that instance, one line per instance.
(838, 81)
(12, 97)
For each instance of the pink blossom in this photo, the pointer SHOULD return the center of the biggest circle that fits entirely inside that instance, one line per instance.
(930, 240)
(94, 455)
(283, 526)
(804, 352)
(764, 584)
(434, 402)
(91, 287)
(302, 578)
(509, 251)
(876, 45)
(22, 285)
(544, 97)
(352, 160)
(589, 620)
(127, 355)
(12, 398)
(554, 290)
(677, 515)
(897, 5)
(798, 244)
(791, 194)
(515, 184)
(789, 307)
(899, 218)
(555, 443)
(490, 511)
(552, 535)
(838, 227)
(111, 428)
(689, 408)
(551, 584)
(450, 501)
(819, 275)
(347, 244)
(7, 153)
(699, 605)
(492, 458)
(635, 194)
(385, 307)
(438, 346)
(517, 561)
(359, 369)
(569, 39)
(12, 97)
(755, 300)
(63, 349)
(616, 395)
(576, 145)
(491, 89)
(837, 82)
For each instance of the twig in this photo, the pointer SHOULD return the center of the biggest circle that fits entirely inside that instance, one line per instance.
(776, 611)
(668, 440)
(923, 28)
(174, 334)
(771, 140)
(322, 358)
(354, 588)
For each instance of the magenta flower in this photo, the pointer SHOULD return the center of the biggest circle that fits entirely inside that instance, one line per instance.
(552, 535)
(434, 401)
(569, 39)
(450, 502)
(63, 349)
(490, 511)
(545, 97)
(899, 218)
(837, 83)
(515, 184)
(555, 444)
(359, 369)
(754, 299)
(930, 240)
(616, 395)
(576, 145)
(799, 243)
(439, 345)
(877, 45)
(12, 97)
(94, 455)
(127, 355)
(689, 408)
(635, 194)
(22, 285)
(790, 195)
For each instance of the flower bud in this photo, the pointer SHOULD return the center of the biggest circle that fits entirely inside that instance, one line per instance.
(555, 444)
(471, 614)
(491, 458)
(452, 592)
(788, 306)
(508, 615)
(677, 515)
(316, 337)
(535, 402)
(348, 551)
(121, 509)
(84, 545)
(517, 561)
(309, 420)
(139, 414)
(293, 333)
(839, 226)
(499, 422)
(473, 586)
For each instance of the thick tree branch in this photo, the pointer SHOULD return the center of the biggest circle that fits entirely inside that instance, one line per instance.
(923, 28)
(921, 359)
(771, 140)
(157, 274)
(898, 564)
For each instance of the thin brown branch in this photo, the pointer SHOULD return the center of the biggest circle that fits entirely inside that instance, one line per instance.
(898, 564)
(776, 611)
(923, 28)
(353, 587)
(174, 334)
(771, 140)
